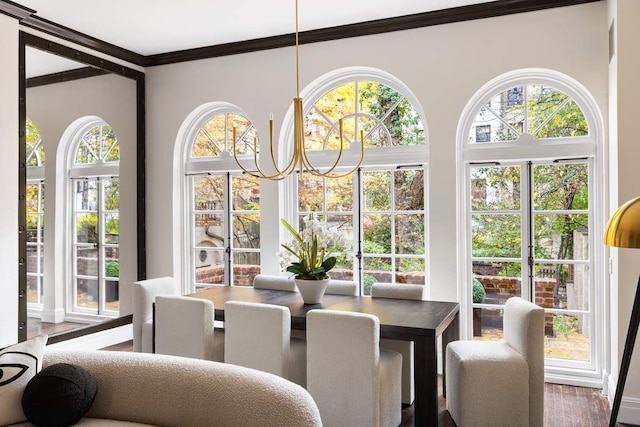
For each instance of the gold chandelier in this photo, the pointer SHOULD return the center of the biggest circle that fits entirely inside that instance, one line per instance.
(299, 160)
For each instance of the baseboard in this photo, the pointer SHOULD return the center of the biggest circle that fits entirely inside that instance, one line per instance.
(97, 340)
(52, 316)
(629, 412)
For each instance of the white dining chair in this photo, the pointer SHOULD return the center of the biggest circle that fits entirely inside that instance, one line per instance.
(258, 336)
(400, 291)
(353, 382)
(341, 287)
(184, 326)
(144, 295)
(499, 383)
(278, 283)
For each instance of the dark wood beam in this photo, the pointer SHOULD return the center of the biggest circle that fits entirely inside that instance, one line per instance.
(81, 39)
(65, 76)
(79, 56)
(15, 10)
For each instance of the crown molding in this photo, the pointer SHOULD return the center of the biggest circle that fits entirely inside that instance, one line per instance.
(445, 16)
(407, 22)
(15, 10)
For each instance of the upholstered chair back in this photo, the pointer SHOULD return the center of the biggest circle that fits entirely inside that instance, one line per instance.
(342, 287)
(397, 291)
(144, 294)
(279, 283)
(400, 291)
(258, 336)
(524, 332)
(353, 382)
(184, 327)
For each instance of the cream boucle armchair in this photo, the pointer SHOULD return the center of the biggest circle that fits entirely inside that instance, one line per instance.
(500, 383)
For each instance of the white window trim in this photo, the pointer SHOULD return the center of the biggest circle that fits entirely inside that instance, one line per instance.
(188, 166)
(65, 156)
(526, 147)
(384, 157)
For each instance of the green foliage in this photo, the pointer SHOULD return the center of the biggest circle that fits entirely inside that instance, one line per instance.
(478, 291)
(311, 246)
(368, 282)
(87, 226)
(564, 324)
(112, 269)
(401, 120)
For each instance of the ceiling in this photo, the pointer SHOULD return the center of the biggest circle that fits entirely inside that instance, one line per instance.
(155, 27)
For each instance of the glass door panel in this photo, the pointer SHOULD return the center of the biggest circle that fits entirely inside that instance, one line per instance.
(208, 231)
(561, 247)
(96, 236)
(539, 250)
(495, 223)
(245, 219)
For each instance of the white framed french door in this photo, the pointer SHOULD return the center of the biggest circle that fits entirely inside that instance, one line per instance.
(225, 229)
(529, 235)
(96, 231)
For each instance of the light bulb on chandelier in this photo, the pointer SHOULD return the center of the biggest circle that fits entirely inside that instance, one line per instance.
(299, 160)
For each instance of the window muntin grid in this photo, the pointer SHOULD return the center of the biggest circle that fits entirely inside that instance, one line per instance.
(385, 117)
(534, 109)
(215, 136)
(225, 229)
(98, 145)
(35, 159)
(224, 205)
(95, 205)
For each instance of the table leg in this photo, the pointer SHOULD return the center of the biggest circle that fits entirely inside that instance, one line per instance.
(452, 333)
(425, 375)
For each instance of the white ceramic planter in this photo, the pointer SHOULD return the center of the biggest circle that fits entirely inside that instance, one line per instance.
(311, 290)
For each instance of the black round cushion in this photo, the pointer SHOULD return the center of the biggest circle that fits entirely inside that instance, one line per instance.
(59, 395)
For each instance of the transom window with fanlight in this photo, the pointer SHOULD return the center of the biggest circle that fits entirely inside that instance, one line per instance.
(95, 203)
(539, 110)
(35, 159)
(368, 109)
(223, 204)
(382, 204)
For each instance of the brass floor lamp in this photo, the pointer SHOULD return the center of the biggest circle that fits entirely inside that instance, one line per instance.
(623, 231)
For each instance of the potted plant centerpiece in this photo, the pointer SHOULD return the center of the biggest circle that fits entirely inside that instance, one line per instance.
(313, 247)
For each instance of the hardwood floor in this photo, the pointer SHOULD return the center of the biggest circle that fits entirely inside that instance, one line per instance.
(35, 327)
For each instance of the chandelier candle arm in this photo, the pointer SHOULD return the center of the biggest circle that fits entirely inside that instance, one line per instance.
(299, 160)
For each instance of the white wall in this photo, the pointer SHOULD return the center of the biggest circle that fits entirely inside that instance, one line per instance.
(625, 154)
(443, 66)
(9, 179)
(53, 108)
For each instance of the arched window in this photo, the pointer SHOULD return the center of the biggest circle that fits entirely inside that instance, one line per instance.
(95, 201)
(530, 142)
(382, 205)
(35, 215)
(223, 204)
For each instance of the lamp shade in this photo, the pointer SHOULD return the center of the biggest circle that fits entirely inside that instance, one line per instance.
(623, 229)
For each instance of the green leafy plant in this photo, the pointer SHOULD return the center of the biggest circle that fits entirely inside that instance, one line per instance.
(112, 269)
(478, 291)
(312, 247)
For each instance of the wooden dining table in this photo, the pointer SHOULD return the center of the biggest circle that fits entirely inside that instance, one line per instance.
(419, 321)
